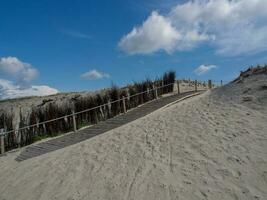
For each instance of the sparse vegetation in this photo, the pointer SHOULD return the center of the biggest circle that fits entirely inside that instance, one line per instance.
(259, 69)
(49, 110)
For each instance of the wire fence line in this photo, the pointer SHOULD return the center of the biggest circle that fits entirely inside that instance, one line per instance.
(220, 82)
(71, 118)
(89, 109)
(83, 111)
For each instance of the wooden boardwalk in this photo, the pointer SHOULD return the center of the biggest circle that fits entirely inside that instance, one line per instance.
(41, 148)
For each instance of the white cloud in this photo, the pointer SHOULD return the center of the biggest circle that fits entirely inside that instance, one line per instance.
(21, 71)
(202, 69)
(233, 27)
(9, 90)
(156, 33)
(77, 34)
(94, 74)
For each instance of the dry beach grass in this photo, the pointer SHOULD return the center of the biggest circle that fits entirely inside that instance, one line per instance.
(212, 146)
(19, 113)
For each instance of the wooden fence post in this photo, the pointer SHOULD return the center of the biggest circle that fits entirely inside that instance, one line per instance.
(2, 138)
(44, 127)
(195, 85)
(178, 87)
(124, 105)
(18, 137)
(156, 91)
(209, 84)
(74, 121)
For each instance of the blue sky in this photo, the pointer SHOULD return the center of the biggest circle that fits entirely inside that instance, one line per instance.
(63, 40)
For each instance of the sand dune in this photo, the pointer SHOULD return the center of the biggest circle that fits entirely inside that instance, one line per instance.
(212, 146)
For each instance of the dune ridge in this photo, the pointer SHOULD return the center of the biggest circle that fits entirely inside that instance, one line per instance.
(212, 146)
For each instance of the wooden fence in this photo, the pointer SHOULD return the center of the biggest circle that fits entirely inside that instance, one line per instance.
(70, 120)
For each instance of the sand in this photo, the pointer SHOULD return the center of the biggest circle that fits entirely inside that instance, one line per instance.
(212, 146)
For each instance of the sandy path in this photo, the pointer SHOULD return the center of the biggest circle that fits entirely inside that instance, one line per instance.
(201, 148)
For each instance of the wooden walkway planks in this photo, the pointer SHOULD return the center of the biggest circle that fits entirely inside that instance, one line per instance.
(35, 150)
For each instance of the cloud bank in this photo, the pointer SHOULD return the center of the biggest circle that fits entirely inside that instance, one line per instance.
(94, 74)
(23, 73)
(233, 28)
(8, 90)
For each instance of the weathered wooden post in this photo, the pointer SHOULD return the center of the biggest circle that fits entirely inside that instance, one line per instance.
(195, 85)
(18, 137)
(124, 105)
(156, 91)
(74, 121)
(2, 141)
(147, 93)
(209, 84)
(44, 127)
(178, 87)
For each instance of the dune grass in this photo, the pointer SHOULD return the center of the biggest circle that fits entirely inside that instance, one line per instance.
(50, 110)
